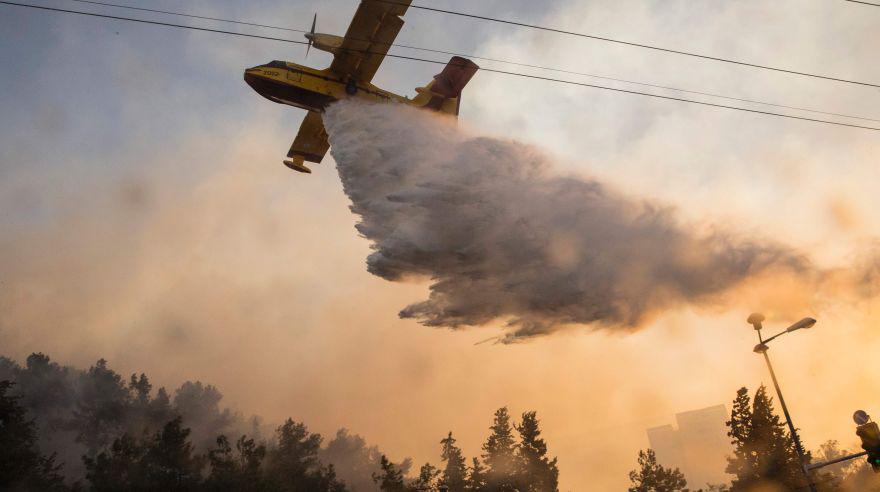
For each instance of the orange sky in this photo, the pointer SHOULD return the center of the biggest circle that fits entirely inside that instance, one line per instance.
(205, 259)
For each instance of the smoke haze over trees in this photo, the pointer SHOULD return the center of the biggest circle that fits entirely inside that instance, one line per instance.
(61, 427)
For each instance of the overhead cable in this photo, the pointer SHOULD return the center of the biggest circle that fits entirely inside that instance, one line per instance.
(630, 43)
(438, 62)
(496, 60)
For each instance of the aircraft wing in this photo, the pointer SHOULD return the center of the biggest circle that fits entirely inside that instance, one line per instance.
(311, 142)
(374, 27)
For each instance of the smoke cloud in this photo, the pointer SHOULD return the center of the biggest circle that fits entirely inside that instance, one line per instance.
(504, 237)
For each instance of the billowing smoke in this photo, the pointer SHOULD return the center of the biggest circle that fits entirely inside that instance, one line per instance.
(504, 237)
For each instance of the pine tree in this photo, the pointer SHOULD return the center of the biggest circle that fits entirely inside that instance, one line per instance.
(389, 479)
(455, 471)
(355, 461)
(499, 454)
(536, 472)
(102, 407)
(169, 459)
(428, 479)
(764, 453)
(324, 480)
(652, 477)
(163, 461)
(119, 467)
(293, 464)
(476, 480)
(235, 471)
(159, 410)
(199, 405)
(138, 419)
(21, 465)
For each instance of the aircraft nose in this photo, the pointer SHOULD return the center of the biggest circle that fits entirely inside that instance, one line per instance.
(251, 77)
(252, 73)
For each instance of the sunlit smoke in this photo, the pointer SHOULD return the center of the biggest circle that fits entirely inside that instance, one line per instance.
(502, 236)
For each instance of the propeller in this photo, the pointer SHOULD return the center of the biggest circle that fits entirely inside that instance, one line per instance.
(311, 34)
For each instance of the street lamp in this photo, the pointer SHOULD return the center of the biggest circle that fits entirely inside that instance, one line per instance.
(756, 320)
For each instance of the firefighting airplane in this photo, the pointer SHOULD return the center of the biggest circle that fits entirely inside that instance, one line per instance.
(356, 58)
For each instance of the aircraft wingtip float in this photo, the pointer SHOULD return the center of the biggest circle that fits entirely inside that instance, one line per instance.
(356, 58)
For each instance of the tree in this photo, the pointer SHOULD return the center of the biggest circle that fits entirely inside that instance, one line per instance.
(354, 461)
(119, 467)
(499, 454)
(293, 464)
(428, 478)
(102, 407)
(239, 471)
(536, 472)
(455, 472)
(47, 392)
(171, 464)
(22, 467)
(199, 405)
(164, 461)
(145, 414)
(764, 454)
(831, 477)
(476, 481)
(389, 479)
(652, 477)
(159, 409)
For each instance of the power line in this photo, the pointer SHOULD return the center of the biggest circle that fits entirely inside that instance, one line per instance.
(144, 21)
(864, 3)
(630, 43)
(769, 113)
(508, 62)
(436, 62)
(193, 16)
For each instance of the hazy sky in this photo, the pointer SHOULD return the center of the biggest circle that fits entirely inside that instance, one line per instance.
(146, 218)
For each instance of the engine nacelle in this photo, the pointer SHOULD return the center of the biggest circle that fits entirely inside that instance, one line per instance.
(325, 42)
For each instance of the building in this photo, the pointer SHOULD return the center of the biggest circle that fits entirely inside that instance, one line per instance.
(698, 447)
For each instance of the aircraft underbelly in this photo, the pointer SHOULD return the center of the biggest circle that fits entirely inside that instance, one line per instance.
(289, 94)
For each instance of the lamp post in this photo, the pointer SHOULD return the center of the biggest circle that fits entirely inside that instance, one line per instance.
(756, 320)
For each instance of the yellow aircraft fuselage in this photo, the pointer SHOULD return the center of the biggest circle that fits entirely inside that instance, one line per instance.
(313, 89)
(309, 88)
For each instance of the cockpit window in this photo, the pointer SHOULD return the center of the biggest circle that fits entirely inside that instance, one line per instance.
(277, 64)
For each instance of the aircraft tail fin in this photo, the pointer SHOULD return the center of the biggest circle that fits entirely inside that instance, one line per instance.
(455, 75)
(443, 94)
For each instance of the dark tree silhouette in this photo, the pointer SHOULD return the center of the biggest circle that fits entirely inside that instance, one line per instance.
(764, 453)
(356, 462)
(476, 480)
(535, 471)
(119, 467)
(102, 407)
(454, 475)
(236, 471)
(428, 479)
(652, 477)
(199, 405)
(21, 465)
(171, 463)
(499, 454)
(47, 391)
(293, 464)
(164, 461)
(389, 479)
(116, 434)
